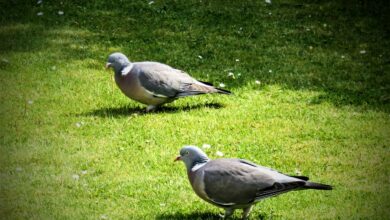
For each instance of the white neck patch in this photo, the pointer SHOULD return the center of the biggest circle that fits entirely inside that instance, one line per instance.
(127, 69)
(197, 166)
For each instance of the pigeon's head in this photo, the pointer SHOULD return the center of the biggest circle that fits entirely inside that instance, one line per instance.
(191, 156)
(118, 61)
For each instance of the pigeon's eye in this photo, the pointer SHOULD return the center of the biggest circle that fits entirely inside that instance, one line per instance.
(186, 153)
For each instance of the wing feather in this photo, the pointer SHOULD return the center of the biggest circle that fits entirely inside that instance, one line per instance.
(163, 80)
(234, 181)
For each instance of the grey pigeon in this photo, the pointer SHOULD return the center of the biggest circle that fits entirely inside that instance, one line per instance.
(154, 83)
(237, 184)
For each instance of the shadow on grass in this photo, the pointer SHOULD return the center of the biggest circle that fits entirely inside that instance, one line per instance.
(127, 111)
(198, 215)
(329, 46)
(195, 215)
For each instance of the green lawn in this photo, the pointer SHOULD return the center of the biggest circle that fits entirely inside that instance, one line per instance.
(312, 97)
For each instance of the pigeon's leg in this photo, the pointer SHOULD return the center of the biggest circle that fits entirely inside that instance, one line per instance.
(228, 213)
(246, 212)
(150, 108)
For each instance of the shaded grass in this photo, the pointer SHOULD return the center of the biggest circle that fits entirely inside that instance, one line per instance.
(73, 147)
(125, 111)
(275, 37)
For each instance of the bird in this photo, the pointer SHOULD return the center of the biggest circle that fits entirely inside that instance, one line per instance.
(236, 183)
(154, 83)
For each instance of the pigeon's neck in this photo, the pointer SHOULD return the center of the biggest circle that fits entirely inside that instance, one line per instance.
(198, 164)
(124, 70)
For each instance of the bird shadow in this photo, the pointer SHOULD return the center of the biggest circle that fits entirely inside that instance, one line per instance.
(199, 215)
(127, 111)
(192, 216)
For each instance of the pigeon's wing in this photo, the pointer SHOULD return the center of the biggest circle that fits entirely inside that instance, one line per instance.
(233, 181)
(163, 80)
(266, 168)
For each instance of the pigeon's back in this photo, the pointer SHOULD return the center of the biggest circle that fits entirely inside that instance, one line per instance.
(231, 181)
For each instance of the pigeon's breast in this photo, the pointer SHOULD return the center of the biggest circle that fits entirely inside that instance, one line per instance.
(197, 183)
(131, 87)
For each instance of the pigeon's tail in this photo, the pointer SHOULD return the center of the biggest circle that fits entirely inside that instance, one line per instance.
(215, 89)
(301, 177)
(223, 91)
(320, 186)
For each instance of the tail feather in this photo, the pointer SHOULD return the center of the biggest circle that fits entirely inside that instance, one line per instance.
(320, 186)
(207, 83)
(301, 177)
(219, 90)
(223, 91)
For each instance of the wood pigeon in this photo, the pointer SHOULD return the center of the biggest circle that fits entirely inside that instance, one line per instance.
(235, 183)
(154, 83)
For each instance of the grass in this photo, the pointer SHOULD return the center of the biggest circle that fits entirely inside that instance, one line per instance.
(73, 147)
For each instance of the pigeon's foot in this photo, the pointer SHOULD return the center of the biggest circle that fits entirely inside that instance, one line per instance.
(228, 213)
(246, 212)
(150, 108)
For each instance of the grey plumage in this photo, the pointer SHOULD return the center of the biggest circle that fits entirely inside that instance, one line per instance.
(154, 83)
(235, 183)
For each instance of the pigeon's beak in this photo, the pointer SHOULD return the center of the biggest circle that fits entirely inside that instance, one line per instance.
(177, 158)
(108, 65)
